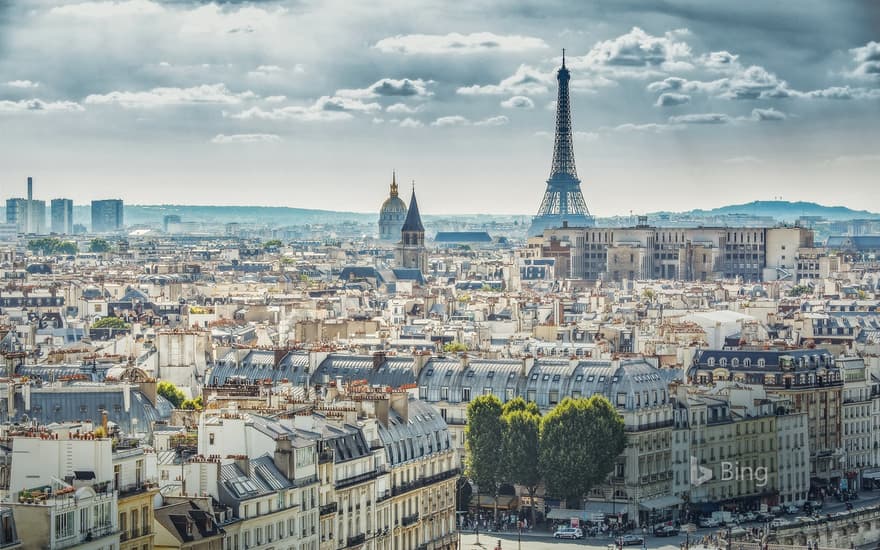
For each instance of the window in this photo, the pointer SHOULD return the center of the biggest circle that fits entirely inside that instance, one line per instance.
(487, 391)
(530, 396)
(490, 374)
(579, 378)
(465, 394)
(545, 378)
(535, 376)
(556, 377)
(64, 525)
(602, 379)
(423, 392)
(444, 393)
(554, 397)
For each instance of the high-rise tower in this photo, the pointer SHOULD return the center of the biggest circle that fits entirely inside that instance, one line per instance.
(563, 202)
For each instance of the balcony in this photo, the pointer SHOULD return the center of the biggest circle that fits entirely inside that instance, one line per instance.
(328, 509)
(424, 481)
(360, 478)
(645, 426)
(409, 520)
(355, 540)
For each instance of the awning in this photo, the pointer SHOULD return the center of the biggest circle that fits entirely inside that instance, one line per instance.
(505, 502)
(871, 475)
(660, 503)
(591, 509)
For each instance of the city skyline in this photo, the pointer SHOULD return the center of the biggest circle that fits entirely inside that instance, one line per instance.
(679, 105)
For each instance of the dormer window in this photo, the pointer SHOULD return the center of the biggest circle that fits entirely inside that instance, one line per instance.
(710, 362)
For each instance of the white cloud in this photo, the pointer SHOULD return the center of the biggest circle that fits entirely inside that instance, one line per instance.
(454, 120)
(458, 120)
(499, 120)
(160, 97)
(518, 102)
(649, 127)
(325, 108)
(753, 82)
(870, 158)
(223, 139)
(586, 136)
(719, 61)
(410, 123)
(768, 115)
(38, 106)
(404, 109)
(637, 50)
(216, 19)
(842, 93)
(109, 9)
(390, 87)
(748, 159)
(867, 59)
(275, 99)
(701, 118)
(672, 99)
(525, 81)
(455, 43)
(23, 84)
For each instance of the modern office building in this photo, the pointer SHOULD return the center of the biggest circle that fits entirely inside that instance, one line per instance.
(28, 215)
(107, 216)
(62, 216)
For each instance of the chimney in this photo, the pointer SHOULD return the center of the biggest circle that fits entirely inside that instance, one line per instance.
(381, 407)
(400, 404)
(527, 363)
(420, 359)
(378, 359)
(283, 457)
(104, 421)
(243, 463)
(30, 188)
(280, 354)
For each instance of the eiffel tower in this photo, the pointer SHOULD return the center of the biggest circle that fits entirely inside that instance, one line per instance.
(563, 202)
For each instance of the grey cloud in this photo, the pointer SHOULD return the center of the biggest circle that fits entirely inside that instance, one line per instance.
(518, 102)
(526, 80)
(456, 43)
(670, 99)
(390, 87)
(867, 59)
(222, 139)
(39, 106)
(636, 48)
(702, 118)
(768, 115)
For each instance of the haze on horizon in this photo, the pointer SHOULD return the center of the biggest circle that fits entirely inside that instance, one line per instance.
(676, 104)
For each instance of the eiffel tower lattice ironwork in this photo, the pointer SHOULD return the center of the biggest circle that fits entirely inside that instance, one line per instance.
(563, 202)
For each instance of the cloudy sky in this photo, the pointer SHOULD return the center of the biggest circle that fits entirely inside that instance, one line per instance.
(677, 104)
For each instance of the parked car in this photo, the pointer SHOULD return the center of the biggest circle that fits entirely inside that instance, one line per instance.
(568, 533)
(791, 509)
(777, 523)
(709, 522)
(748, 516)
(665, 531)
(631, 540)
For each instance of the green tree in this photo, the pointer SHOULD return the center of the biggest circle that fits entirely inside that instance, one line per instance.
(110, 322)
(484, 436)
(520, 404)
(193, 404)
(170, 392)
(454, 347)
(521, 450)
(274, 243)
(99, 246)
(50, 246)
(580, 441)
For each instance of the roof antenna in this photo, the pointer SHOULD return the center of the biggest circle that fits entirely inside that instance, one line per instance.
(563, 58)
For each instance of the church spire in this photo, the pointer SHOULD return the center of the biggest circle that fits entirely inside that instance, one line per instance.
(393, 183)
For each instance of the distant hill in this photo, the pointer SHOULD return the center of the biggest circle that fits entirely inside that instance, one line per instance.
(784, 211)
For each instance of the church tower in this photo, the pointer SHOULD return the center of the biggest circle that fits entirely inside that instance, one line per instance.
(411, 251)
(392, 214)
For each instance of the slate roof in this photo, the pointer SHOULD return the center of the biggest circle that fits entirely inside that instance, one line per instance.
(264, 478)
(393, 371)
(259, 365)
(425, 432)
(413, 220)
(188, 522)
(462, 237)
(78, 402)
